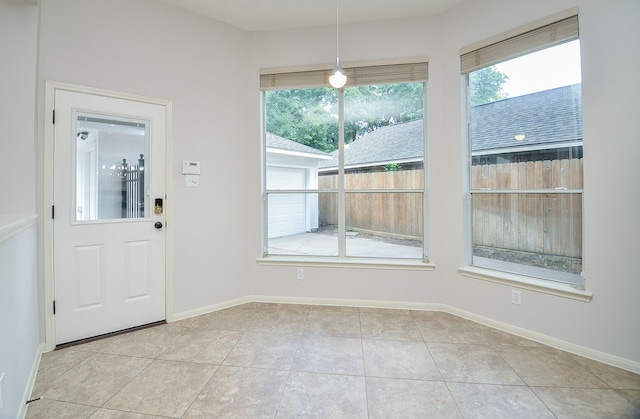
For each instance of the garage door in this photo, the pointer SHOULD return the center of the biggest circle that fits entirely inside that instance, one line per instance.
(287, 212)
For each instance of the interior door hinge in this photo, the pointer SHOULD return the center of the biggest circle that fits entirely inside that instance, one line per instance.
(54, 306)
(53, 212)
(53, 116)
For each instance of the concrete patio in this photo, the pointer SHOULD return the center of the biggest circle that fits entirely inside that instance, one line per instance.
(318, 244)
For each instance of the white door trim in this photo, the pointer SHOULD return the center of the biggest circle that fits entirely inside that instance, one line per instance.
(48, 164)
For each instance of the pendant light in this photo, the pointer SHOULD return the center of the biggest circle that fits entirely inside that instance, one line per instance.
(338, 77)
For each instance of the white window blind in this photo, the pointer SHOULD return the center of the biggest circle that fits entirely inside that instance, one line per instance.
(546, 36)
(356, 76)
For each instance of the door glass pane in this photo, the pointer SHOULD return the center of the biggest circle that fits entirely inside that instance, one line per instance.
(110, 168)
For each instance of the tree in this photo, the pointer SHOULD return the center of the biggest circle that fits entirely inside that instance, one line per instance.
(310, 116)
(306, 116)
(368, 108)
(485, 85)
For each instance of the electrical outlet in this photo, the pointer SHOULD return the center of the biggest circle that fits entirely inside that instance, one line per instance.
(300, 274)
(516, 297)
(1, 390)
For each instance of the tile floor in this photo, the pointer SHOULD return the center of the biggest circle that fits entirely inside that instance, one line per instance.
(281, 361)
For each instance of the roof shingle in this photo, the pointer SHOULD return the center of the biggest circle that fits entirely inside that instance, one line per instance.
(549, 117)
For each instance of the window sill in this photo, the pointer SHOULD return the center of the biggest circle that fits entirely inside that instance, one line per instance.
(360, 263)
(525, 282)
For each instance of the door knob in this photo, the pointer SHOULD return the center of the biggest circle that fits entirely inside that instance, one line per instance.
(158, 225)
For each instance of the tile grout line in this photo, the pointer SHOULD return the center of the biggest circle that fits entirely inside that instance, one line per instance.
(495, 348)
(286, 382)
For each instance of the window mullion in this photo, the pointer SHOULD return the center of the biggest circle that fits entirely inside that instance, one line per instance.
(342, 235)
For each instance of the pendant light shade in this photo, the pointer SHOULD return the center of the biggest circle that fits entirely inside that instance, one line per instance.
(338, 77)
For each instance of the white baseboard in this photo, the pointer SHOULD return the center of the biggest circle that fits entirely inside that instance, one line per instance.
(595, 355)
(33, 374)
(348, 303)
(603, 357)
(209, 309)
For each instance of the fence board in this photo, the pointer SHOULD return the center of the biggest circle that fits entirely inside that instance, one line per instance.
(540, 223)
(393, 214)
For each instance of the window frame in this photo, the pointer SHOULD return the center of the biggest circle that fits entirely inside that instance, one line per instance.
(539, 35)
(386, 72)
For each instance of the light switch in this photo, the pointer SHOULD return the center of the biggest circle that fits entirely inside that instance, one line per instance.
(192, 180)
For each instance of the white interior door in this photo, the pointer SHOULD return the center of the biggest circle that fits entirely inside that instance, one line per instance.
(109, 223)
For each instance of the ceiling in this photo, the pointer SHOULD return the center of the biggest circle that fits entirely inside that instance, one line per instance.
(271, 15)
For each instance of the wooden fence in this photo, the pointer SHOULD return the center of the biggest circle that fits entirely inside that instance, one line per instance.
(549, 223)
(385, 214)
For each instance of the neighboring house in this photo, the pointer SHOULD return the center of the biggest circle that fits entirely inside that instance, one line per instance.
(291, 165)
(394, 144)
(551, 119)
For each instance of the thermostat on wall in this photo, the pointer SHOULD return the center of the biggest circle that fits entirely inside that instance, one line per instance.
(190, 167)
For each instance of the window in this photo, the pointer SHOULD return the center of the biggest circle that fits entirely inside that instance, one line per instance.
(343, 169)
(525, 153)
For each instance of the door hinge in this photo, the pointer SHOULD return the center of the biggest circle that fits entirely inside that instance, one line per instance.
(53, 117)
(53, 212)
(54, 306)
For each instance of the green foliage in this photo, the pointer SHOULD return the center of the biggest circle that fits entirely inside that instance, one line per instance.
(307, 116)
(368, 108)
(392, 167)
(310, 116)
(485, 85)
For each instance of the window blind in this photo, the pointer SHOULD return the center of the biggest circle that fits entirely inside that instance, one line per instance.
(356, 76)
(546, 36)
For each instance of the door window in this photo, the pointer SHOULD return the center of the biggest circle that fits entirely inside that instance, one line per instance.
(110, 177)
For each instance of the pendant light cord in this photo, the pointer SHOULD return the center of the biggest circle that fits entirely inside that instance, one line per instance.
(337, 29)
(338, 78)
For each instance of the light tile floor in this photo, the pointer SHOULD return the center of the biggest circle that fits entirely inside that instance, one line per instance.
(282, 361)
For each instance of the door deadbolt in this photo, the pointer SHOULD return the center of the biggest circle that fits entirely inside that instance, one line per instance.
(159, 209)
(158, 206)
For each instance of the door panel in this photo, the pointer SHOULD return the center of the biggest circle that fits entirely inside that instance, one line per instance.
(88, 263)
(138, 269)
(109, 165)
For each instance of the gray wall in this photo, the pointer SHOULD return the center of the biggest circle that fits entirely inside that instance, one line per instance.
(210, 73)
(19, 322)
(611, 145)
(148, 48)
(18, 53)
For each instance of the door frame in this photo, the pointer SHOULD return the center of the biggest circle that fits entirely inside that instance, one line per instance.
(48, 166)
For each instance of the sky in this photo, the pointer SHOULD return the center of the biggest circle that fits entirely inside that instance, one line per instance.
(543, 70)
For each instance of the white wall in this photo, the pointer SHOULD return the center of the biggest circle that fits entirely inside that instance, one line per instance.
(19, 332)
(19, 325)
(210, 72)
(152, 49)
(18, 40)
(609, 32)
